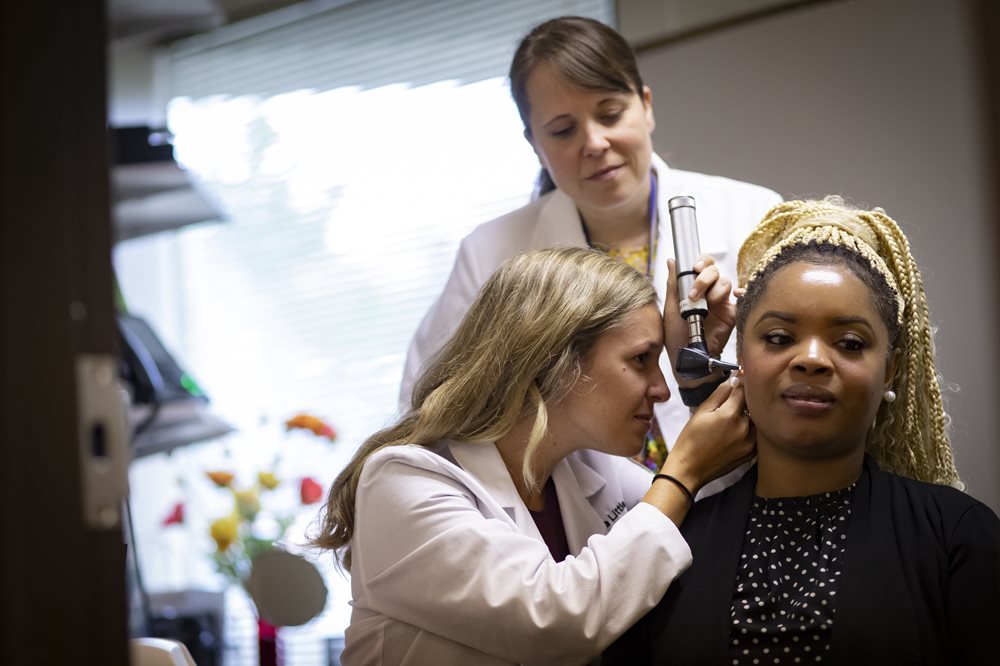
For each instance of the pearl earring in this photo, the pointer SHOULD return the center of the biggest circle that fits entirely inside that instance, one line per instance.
(889, 396)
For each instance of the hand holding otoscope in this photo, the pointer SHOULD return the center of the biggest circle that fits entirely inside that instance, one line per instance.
(695, 360)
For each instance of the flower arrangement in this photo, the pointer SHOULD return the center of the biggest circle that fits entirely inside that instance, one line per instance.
(238, 537)
(247, 530)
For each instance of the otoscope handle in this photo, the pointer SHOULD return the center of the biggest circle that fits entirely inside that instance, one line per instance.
(684, 224)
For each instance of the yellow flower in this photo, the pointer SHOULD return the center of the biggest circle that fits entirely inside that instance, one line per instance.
(225, 531)
(247, 502)
(268, 480)
(221, 478)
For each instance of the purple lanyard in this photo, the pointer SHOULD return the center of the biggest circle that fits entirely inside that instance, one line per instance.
(652, 225)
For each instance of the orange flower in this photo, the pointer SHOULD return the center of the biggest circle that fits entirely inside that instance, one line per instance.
(310, 492)
(221, 478)
(313, 424)
(225, 531)
(268, 480)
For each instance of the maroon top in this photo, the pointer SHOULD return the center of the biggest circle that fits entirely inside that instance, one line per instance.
(550, 523)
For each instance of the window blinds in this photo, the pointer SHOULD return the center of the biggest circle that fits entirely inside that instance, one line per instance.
(352, 147)
(366, 42)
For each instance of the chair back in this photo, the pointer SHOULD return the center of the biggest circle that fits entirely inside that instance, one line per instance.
(159, 652)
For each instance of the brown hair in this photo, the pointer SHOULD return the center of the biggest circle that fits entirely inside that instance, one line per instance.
(584, 52)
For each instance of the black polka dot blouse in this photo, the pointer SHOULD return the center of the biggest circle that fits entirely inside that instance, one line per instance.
(786, 587)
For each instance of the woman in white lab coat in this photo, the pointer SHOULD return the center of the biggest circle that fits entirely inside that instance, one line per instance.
(589, 118)
(500, 520)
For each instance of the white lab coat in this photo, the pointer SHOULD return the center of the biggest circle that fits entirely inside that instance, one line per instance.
(728, 210)
(449, 569)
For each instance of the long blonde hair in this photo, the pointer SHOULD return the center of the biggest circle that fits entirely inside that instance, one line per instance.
(519, 348)
(910, 435)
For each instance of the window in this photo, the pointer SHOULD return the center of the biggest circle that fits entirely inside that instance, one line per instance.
(352, 149)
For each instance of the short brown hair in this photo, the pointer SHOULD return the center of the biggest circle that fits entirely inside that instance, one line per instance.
(585, 52)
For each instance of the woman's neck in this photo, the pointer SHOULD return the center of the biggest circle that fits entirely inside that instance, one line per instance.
(625, 226)
(780, 474)
(512, 447)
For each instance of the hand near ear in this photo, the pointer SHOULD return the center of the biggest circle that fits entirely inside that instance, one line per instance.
(718, 439)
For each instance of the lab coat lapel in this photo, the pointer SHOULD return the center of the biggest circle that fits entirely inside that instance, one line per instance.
(587, 504)
(558, 223)
(582, 502)
(483, 461)
(664, 234)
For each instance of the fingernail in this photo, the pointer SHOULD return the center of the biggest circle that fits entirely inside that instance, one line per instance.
(698, 265)
(693, 294)
(734, 381)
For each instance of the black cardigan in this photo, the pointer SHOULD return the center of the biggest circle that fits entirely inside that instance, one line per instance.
(920, 585)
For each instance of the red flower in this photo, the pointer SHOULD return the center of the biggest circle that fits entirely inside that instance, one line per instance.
(309, 491)
(176, 516)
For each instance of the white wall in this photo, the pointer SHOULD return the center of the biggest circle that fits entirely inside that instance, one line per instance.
(132, 87)
(876, 100)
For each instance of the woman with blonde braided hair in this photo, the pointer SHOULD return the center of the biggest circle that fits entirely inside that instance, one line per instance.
(850, 541)
(909, 436)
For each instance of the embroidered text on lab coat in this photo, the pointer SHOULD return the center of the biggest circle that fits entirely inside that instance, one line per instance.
(613, 515)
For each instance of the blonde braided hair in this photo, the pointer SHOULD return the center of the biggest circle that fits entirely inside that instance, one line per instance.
(910, 435)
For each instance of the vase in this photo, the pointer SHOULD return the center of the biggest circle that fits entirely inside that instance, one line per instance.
(267, 634)
(267, 643)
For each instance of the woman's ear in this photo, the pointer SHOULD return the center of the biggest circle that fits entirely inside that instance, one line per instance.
(531, 142)
(647, 102)
(892, 366)
(527, 137)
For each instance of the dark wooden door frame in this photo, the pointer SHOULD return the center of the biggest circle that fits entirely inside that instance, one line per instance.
(62, 597)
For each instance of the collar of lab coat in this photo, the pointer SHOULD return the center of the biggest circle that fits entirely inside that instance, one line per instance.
(483, 461)
(559, 224)
(576, 485)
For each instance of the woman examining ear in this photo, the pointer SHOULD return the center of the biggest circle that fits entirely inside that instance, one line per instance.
(589, 118)
(500, 520)
(850, 541)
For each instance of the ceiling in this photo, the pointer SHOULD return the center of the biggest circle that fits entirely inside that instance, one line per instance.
(158, 21)
(155, 194)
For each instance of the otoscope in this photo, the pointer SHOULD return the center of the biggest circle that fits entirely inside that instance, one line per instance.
(693, 361)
